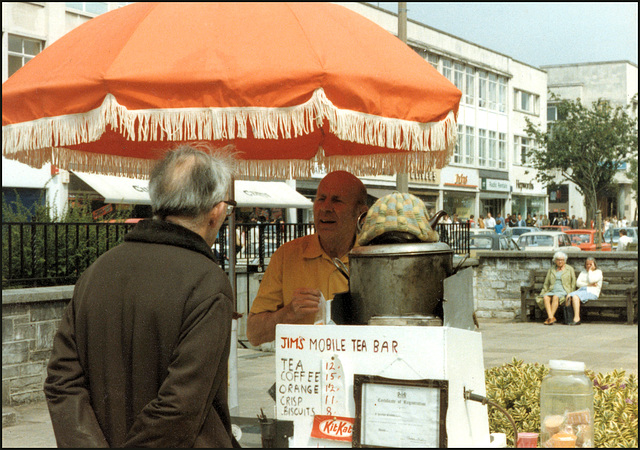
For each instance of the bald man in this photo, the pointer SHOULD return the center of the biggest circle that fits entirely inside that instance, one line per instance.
(300, 270)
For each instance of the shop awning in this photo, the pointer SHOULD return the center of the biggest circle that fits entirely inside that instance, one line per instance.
(18, 175)
(269, 194)
(263, 194)
(120, 190)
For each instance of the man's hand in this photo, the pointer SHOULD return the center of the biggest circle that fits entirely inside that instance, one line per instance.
(304, 302)
(261, 327)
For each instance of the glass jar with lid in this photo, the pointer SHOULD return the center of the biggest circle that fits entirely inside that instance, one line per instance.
(566, 406)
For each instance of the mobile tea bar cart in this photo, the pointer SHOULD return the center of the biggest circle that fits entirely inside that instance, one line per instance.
(398, 368)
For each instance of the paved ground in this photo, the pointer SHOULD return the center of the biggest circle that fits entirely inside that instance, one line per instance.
(603, 346)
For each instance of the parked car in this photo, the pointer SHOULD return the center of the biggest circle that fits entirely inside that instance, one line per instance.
(612, 235)
(515, 232)
(546, 241)
(473, 231)
(491, 242)
(561, 228)
(586, 240)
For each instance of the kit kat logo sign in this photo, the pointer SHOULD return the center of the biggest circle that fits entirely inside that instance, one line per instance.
(332, 427)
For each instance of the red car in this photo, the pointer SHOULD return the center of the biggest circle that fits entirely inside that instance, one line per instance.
(585, 239)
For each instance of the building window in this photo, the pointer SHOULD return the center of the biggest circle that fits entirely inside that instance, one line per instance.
(457, 153)
(21, 51)
(502, 94)
(522, 150)
(493, 149)
(525, 101)
(493, 91)
(482, 88)
(464, 152)
(470, 83)
(552, 113)
(433, 60)
(482, 148)
(502, 151)
(458, 78)
(447, 69)
(469, 151)
(88, 7)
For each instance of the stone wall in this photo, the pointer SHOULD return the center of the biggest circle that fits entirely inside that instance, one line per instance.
(30, 318)
(498, 276)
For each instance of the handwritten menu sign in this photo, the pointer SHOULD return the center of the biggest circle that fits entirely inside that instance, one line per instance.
(308, 385)
(299, 388)
(324, 375)
(333, 391)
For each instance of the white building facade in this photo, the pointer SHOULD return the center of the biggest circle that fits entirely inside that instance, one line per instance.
(488, 171)
(616, 81)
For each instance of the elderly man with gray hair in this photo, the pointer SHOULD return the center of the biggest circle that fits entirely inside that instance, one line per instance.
(559, 282)
(140, 358)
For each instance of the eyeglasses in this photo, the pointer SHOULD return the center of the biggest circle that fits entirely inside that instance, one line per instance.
(231, 206)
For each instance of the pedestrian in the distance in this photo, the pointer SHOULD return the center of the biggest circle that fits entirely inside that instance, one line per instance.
(140, 358)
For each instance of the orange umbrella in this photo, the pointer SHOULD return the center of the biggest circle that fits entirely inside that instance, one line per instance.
(291, 85)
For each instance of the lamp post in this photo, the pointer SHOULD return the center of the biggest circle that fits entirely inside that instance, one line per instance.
(402, 179)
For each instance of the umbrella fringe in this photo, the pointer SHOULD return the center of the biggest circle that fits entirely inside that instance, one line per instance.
(397, 134)
(363, 165)
(428, 144)
(189, 124)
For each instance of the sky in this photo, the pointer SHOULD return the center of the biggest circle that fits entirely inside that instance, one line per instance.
(537, 34)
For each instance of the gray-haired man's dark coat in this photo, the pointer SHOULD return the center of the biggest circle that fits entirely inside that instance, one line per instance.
(140, 358)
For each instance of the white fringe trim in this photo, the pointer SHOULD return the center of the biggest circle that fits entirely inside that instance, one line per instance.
(422, 146)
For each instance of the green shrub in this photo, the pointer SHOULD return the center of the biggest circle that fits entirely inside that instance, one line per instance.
(516, 387)
(53, 255)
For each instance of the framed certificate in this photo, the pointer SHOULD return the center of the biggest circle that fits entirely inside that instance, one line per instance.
(399, 413)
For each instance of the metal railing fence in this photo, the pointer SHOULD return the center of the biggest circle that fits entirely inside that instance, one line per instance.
(50, 254)
(456, 235)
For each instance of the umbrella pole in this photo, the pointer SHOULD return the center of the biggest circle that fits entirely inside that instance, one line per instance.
(402, 179)
(232, 247)
(233, 400)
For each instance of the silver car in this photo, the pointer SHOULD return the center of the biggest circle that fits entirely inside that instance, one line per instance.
(473, 231)
(515, 232)
(548, 241)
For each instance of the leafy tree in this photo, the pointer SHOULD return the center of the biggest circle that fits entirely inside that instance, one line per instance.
(585, 146)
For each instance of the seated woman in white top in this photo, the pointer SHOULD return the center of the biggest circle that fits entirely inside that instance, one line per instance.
(589, 284)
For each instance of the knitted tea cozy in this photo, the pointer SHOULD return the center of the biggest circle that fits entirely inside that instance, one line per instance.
(397, 212)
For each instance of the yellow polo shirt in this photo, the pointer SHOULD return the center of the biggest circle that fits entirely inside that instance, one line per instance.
(300, 263)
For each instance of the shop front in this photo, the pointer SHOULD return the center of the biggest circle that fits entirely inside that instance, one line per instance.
(494, 194)
(426, 186)
(459, 194)
(528, 199)
(558, 201)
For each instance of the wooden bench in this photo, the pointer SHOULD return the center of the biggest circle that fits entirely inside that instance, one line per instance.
(619, 291)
